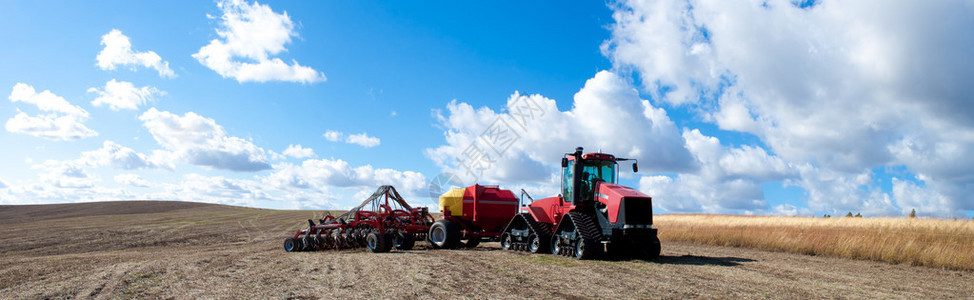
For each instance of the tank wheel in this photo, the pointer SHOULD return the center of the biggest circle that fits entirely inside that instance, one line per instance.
(292, 245)
(472, 242)
(431, 243)
(378, 242)
(534, 244)
(506, 241)
(404, 241)
(445, 234)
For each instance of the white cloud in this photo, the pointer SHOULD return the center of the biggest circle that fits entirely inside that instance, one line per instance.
(74, 173)
(318, 176)
(728, 181)
(39, 193)
(120, 95)
(213, 189)
(64, 122)
(314, 183)
(926, 201)
(200, 141)
(45, 101)
(3, 184)
(363, 140)
(249, 35)
(526, 143)
(322, 173)
(66, 174)
(118, 52)
(845, 87)
(790, 210)
(332, 135)
(311, 184)
(117, 156)
(132, 180)
(840, 192)
(297, 151)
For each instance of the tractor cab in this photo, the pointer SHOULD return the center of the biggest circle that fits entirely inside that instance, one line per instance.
(582, 172)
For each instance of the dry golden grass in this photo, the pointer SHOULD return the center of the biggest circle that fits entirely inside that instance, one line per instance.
(924, 242)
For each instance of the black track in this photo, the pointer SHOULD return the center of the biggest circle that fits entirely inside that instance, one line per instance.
(542, 230)
(590, 232)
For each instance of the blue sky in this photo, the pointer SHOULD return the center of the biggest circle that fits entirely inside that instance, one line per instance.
(749, 108)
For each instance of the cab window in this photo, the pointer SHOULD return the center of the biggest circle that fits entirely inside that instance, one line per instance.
(566, 181)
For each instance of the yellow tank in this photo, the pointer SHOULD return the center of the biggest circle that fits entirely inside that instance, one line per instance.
(452, 200)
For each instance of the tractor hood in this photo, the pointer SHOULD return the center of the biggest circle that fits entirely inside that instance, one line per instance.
(621, 200)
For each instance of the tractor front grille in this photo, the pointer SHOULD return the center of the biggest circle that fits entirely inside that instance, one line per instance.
(638, 211)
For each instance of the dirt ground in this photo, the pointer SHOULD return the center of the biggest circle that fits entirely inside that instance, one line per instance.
(185, 250)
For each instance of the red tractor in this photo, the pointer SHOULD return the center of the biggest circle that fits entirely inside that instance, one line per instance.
(592, 214)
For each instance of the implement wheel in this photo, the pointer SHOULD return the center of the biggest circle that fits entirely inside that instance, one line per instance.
(404, 241)
(445, 234)
(378, 242)
(292, 245)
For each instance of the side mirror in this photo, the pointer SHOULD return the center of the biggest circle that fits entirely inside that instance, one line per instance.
(564, 162)
(635, 169)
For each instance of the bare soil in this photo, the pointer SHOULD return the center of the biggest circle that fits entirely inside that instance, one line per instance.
(154, 249)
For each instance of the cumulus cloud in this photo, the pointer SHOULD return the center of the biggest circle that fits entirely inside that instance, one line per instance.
(132, 180)
(118, 156)
(333, 136)
(74, 173)
(40, 193)
(297, 151)
(66, 174)
(63, 121)
(323, 174)
(327, 172)
(118, 52)
(201, 141)
(363, 140)
(250, 34)
(120, 95)
(843, 87)
(729, 179)
(526, 142)
(314, 183)
(213, 189)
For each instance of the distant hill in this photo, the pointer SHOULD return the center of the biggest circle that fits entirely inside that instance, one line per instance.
(30, 213)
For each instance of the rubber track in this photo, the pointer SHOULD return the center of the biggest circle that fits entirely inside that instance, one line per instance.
(541, 229)
(586, 227)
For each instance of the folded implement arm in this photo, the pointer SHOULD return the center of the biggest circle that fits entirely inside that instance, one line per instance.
(381, 222)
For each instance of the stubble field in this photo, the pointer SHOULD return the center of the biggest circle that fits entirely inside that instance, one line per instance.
(188, 250)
